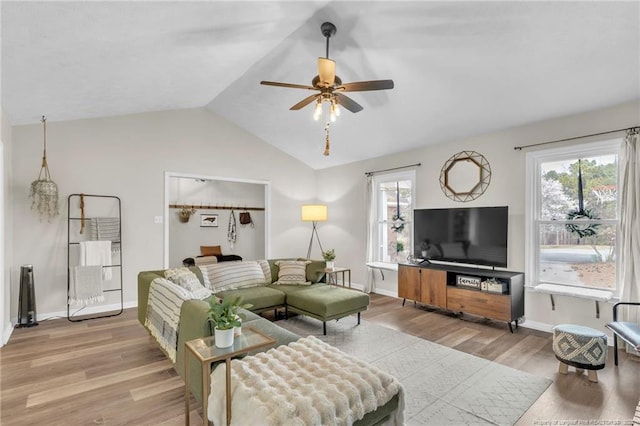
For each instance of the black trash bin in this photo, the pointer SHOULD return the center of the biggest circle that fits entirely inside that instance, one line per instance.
(27, 301)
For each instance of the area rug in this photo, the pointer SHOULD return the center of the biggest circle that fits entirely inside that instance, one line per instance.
(443, 386)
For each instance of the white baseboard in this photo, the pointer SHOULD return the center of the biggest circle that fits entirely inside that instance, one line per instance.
(534, 325)
(386, 292)
(357, 286)
(86, 311)
(6, 333)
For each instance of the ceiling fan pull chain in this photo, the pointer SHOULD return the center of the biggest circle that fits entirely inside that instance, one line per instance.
(326, 140)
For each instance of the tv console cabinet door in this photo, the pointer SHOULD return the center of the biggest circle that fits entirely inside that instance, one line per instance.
(409, 282)
(433, 287)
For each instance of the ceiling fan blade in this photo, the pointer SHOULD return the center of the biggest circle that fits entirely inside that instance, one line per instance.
(362, 86)
(306, 101)
(326, 71)
(289, 85)
(347, 102)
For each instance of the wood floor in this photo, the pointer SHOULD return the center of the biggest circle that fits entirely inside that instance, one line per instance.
(110, 372)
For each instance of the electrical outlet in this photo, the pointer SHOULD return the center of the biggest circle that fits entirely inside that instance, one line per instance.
(157, 219)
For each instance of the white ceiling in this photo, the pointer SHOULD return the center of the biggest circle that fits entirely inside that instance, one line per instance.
(460, 68)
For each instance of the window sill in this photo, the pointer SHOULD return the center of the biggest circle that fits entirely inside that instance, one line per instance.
(383, 265)
(582, 293)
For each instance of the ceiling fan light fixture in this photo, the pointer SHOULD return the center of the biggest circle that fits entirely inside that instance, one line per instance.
(336, 107)
(332, 112)
(317, 111)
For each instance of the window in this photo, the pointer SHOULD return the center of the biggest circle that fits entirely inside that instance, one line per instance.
(564, 245)
(393, 204)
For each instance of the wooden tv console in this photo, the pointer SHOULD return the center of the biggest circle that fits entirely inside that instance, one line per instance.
(442, 286)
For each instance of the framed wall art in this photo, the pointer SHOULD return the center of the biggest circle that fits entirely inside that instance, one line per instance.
(208, 220)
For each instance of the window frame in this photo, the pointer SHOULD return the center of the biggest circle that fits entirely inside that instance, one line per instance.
(534, 159)
(379, 179)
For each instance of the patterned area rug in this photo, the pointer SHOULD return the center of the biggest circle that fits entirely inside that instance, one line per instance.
(443, 386)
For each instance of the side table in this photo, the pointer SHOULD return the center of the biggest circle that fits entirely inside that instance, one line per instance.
(205, 351)
(332, 275)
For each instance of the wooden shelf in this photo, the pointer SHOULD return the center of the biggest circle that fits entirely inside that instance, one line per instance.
(212, 207)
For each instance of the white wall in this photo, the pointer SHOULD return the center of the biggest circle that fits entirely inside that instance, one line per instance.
(343, 189)
(185, 239)
(127, 156)
(5, 231)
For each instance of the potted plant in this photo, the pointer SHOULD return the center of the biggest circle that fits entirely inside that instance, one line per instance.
(237, 304)
(329, 256)
(185, 213)
(225, 317)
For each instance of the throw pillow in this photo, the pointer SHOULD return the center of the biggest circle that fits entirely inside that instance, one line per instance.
(210, 250)
(292, 272)
(205, 260)
(183, 277)
(232, 275)
(266, 270)
(188, 281)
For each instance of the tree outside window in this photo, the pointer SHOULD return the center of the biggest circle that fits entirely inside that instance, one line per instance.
(572, 247)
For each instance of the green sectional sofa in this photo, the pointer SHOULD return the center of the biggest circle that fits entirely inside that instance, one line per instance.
(317, 300)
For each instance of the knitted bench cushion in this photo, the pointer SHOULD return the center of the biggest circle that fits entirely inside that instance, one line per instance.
(580, 346)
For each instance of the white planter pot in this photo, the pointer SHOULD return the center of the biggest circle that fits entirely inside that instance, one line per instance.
(237, 330)
(330, 264)
(224, 338)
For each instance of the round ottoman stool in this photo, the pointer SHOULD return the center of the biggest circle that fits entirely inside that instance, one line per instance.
(581, 347)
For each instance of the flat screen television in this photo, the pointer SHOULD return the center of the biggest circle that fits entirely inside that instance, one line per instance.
(473, 235)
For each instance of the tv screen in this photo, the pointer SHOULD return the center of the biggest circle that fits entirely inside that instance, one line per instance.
(475, 235)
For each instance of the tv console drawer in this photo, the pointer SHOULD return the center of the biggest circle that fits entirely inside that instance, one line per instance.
(494, 306)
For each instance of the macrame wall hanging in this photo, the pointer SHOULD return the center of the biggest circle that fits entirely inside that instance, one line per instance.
(44, 191)
(581, 230)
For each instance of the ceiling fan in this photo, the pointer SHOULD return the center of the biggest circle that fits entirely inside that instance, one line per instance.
(330, 86)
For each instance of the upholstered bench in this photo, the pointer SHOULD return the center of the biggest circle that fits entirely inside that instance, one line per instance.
(327, 302)
(581, 347)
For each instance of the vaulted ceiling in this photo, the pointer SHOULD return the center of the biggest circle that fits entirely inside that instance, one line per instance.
(460, 68)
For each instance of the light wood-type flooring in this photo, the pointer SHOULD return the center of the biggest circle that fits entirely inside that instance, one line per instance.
(110, 372)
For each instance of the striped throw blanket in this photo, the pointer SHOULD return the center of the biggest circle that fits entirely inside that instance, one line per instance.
(163, 313)
(106, 229)
(307, 382)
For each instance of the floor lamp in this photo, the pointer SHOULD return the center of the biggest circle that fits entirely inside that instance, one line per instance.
(314, 213)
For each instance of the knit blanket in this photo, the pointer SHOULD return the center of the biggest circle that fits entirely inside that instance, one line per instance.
(85, 285)
(307, 382)
(163, 313)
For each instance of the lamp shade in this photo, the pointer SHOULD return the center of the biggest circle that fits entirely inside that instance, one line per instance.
(313, 212)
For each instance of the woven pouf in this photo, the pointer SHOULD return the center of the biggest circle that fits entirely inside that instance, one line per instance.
(581, 347)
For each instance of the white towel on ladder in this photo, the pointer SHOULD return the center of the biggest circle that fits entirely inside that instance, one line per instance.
(97, 253)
